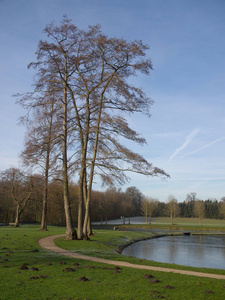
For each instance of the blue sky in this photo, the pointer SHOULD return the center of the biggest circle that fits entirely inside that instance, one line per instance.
(186, 132)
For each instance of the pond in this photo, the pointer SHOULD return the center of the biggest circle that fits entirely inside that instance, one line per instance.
(205, 251)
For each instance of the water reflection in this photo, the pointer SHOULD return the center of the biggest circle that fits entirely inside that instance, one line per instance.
(196, 251)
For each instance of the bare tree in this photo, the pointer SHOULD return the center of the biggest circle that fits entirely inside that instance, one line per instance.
(53, 74)
(21, 189)
(191, 197)
(102, 67)
(148, 206)
(136, 197)
(199, 210)
(127, 207)
(153, 203)
(173, 208)
(6, 202)
(90, 71)
(145, 209)
(41, 145)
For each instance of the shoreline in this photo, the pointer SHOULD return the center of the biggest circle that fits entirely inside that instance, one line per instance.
(48, 244)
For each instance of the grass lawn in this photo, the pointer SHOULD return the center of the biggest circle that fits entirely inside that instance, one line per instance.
(191, 221)
(29, 272)
(182, 224)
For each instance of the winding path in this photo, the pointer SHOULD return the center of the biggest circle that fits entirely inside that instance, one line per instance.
(48, 244)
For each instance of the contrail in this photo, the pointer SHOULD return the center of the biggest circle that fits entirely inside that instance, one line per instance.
(188, 139)
(206, 146)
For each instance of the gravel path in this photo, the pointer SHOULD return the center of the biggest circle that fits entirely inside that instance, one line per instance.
(48, 244)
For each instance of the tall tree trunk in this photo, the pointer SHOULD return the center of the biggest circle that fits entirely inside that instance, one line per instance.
(16, 223)
(45, 194)
(70, 231)
(44, 207)
(80, 210)
(83, 172)
(82, 191)
(89, 227)
(47, 167)
(171, 217)
(84, 138)
(87, 206)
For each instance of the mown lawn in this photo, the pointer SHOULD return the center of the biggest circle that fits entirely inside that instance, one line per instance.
(190, 221)
(181, 224)
(29, 272)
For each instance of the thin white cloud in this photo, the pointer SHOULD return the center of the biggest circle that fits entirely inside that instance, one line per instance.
(206, 146)
(188, 139)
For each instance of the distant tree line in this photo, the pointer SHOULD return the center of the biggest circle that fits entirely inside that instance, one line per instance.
(191, 207)
(21, 197)
(21, 200)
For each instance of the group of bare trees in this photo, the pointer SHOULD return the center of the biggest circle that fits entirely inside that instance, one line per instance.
(77, 114)
(198, 209)
(148, 206)
(17, 187)
(21, 200)
(16, 197)
(195, 207)
(192, 207)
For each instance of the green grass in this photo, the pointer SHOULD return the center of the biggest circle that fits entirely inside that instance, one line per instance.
(190, 221)
(19, 246)
(105, 244)
(182, 224)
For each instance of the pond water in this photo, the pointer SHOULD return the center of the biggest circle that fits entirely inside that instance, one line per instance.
(203, 251)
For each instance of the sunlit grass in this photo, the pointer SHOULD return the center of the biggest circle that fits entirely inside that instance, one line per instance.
(19, 246)
(189, 221)
(181, 224)
(105, 244)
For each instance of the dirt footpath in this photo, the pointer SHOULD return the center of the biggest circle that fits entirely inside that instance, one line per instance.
(48, 244)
